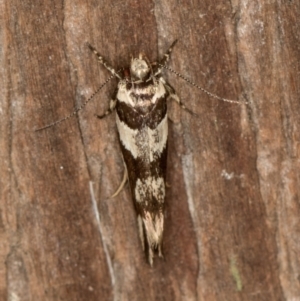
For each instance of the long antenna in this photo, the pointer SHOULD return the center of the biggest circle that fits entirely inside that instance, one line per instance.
(78, 109)
(202, 89)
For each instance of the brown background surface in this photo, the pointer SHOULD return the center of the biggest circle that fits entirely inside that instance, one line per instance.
(232, 217)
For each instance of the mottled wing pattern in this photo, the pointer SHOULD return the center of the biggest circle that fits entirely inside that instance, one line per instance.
(142, 123)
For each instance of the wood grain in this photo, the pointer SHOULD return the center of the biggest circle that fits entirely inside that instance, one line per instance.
(232, 217)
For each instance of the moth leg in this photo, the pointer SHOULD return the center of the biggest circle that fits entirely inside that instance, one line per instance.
(112, 107)
(125, 177)
(141, 231)
(177, 99)
(103, 62)
(171, 120)
(174, 96)
(160, 254)
(151, 256)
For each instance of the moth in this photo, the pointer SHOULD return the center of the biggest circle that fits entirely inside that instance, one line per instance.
(142, 123)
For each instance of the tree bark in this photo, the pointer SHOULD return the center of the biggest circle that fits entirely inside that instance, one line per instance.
(232, 228)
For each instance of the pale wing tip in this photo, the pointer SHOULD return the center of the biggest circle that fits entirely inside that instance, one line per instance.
(150, 232)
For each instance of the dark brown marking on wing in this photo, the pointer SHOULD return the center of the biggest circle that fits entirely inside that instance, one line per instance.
(135, 120)
(138, 169)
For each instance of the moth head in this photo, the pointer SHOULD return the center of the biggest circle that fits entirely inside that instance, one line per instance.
(139, 68)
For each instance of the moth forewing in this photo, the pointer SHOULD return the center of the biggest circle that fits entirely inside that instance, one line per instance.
(143, 133)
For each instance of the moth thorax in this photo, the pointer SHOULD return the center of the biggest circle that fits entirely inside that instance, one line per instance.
(139, 68)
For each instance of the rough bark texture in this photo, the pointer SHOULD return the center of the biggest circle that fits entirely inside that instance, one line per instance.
(232, 217)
